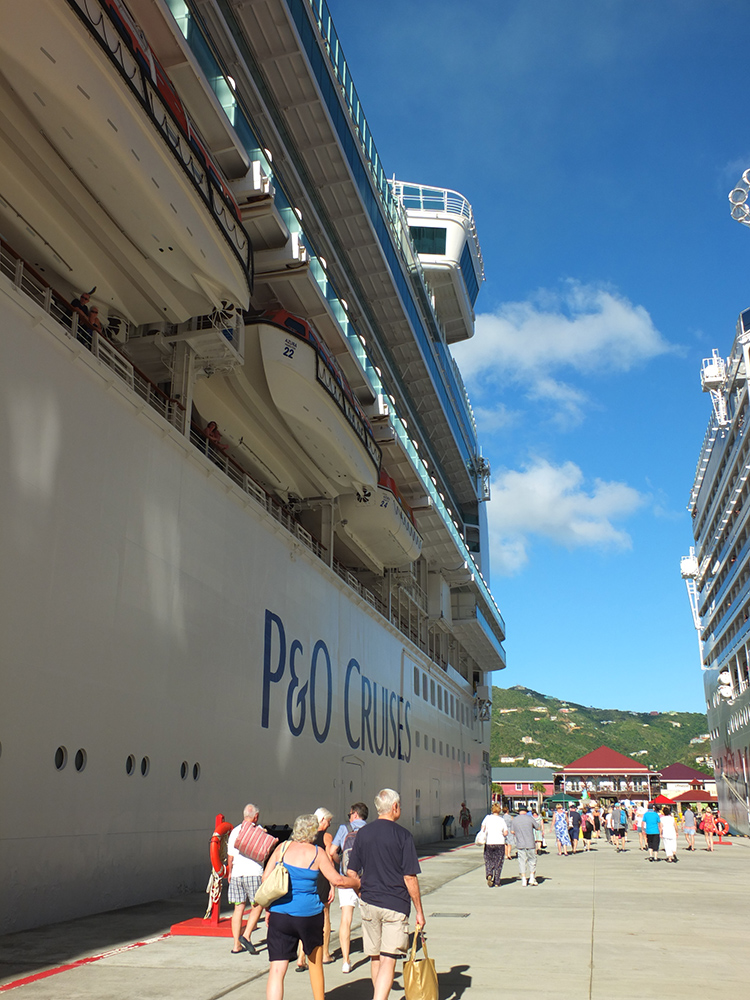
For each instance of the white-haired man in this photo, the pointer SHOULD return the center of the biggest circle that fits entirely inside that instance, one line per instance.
(386, 855)
(245, 876)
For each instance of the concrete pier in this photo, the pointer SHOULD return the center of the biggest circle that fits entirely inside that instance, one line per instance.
(598, 925)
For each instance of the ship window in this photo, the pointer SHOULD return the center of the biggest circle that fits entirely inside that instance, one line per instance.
(424, 686)
(417, 814)
(184, 768)
(81, 758)
(441, 748)
(61, 758)
(440, 697)
(432, 691)
(416, 681)
(130, 764)
(433, 744)
(428, 239)
(196, 771)
(296, 327)
(469, 274)
(453, 707)
(145, 766)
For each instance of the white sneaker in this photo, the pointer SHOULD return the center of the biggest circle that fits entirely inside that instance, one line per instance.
(346, 967)
(533, 881)
(524, 881)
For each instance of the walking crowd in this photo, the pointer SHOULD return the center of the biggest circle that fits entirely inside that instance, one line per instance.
(575, 828)
(373, 866)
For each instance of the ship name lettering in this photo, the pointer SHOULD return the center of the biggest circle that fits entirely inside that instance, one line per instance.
(319, 686)
(384, 727)
(375, 718)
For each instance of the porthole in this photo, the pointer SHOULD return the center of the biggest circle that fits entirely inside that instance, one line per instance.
(81, 758)
(184, 768)
(196, 771)
(351, 787)
(61, 758)
(130, 764)
(145, 766)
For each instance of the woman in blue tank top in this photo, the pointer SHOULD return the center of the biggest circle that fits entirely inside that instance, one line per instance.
(298, 916)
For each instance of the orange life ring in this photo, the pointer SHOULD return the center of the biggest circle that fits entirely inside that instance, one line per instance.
(222, 829)
(722, 827)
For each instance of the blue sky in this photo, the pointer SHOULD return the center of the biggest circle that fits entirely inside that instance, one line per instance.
(597, 141)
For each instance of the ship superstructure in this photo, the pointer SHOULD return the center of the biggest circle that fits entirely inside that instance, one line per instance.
(245, 541)
(717, 572)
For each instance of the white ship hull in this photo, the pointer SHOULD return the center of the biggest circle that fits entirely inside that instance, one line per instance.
(170, 601)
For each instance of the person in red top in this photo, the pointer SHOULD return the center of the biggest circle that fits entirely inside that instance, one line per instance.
(708, 825)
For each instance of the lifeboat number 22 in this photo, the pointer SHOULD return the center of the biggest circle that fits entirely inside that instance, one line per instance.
(289, 346)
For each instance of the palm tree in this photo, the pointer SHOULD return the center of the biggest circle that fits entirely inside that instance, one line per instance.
(539, 788)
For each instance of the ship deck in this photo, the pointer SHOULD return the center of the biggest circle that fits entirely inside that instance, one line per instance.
(596, 924)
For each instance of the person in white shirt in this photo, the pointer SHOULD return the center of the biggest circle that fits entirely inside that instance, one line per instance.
(244, 876)
(668, 833)
(493, 833)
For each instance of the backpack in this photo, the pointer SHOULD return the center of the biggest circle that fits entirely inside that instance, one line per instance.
(346, 848)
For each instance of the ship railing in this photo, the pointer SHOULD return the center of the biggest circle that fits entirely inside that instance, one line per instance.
(96, 17)
(392, 206)
(32, 284)
(705, 456)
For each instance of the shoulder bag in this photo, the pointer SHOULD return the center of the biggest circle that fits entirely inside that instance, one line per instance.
(481, 837)
(254, 843)
(276, 885)
(420, 977)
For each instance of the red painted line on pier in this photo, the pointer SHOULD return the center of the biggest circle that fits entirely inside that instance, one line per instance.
(77, 964)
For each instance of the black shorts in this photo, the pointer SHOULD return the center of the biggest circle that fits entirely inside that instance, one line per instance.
(652, 839)
(284, 931)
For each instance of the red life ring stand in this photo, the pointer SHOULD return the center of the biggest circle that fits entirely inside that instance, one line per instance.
(221, 830)
(722, 827)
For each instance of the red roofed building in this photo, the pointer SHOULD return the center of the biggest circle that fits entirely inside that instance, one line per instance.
(606, 774)
(678, 778)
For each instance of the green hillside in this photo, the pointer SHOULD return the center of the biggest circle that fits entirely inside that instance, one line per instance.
(561, 731)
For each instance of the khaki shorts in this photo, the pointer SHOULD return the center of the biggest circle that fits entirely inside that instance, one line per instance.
(384, 932)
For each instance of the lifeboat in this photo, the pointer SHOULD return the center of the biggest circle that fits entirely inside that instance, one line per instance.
(316, 402)
(381, 524)
(86, 78)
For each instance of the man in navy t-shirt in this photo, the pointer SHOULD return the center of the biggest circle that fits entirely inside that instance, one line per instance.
(386, 856)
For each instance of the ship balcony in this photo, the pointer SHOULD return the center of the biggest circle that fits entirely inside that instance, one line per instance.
(442, 229)
(475, 632)
(27, 281)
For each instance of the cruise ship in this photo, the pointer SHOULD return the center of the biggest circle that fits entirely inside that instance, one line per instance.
(717, 570)
(244, 536)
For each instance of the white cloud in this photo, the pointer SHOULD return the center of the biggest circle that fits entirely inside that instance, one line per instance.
(583, 329)
(552, 502)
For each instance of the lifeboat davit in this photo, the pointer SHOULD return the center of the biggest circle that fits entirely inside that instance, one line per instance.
(316, 402)
(382, 524)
